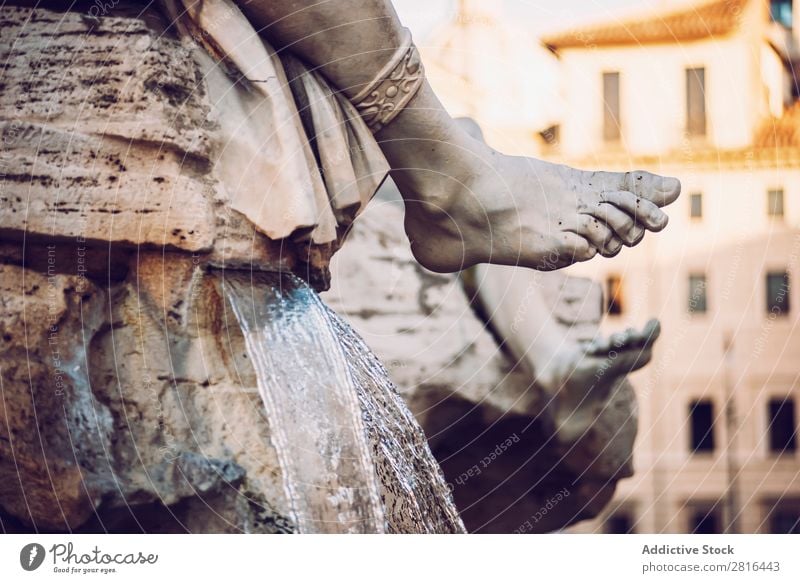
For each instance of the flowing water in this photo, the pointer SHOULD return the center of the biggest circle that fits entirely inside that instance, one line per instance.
(353, 459)
(415, 495)
(314, 416)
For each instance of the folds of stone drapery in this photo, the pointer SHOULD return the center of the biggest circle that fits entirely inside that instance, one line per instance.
(294, 156)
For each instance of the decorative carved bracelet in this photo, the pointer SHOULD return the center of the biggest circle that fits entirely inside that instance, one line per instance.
(392, 89)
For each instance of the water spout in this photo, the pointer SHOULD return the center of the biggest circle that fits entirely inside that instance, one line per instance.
(310, 399)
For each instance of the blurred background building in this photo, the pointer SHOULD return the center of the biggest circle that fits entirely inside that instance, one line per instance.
(706, 91)
(485, 66)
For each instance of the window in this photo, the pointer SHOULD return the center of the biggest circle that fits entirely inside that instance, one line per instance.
(701, 421)
(775, 203)
(696, 102)
(697, 294)
(784, 521)
(782, 425)
(696, 205)
(705, 521)
(778, 293)
(614, 303)
(619, 523)
(781, 12)
(611, 113)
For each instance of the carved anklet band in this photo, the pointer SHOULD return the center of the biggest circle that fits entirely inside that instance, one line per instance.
(392, 89)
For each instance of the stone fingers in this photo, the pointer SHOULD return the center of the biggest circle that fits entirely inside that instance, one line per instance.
(628, 340)
(632, 360)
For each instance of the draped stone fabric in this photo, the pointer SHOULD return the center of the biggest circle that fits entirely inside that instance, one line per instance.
(295, 157)
(175, 126)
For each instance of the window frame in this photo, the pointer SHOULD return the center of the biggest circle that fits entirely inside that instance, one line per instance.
(612, 116)
(709, 436)
(616, 299)
(693, 197)
(771, 439)
(775, 17)
(773, 507)
(770, 207)
(694, 309)
(784, 307)
(696, 121)
(622, 514)
(695, 507)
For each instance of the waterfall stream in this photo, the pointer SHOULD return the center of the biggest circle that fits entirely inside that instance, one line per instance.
(353, 458)
(314, 416)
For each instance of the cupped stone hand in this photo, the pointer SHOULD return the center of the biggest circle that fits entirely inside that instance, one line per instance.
(580, 381)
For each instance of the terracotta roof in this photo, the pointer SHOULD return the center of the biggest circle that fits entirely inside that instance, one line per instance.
(718, 17)
(781, 132)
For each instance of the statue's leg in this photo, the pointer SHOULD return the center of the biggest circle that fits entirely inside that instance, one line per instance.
(466, 203)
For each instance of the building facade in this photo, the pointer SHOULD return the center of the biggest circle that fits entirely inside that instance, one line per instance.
(480, 63)
(706, 92)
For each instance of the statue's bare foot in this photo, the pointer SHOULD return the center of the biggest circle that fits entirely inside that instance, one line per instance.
(579, 382)
(510, 210)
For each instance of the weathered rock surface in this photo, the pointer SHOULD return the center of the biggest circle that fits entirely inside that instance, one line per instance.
(94, 113)
(112, 410)
(125, 407)
(108, 137)
(485, 419)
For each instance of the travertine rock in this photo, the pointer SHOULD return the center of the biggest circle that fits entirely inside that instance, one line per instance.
(104, 132)
(132, 406)
(123, 402)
